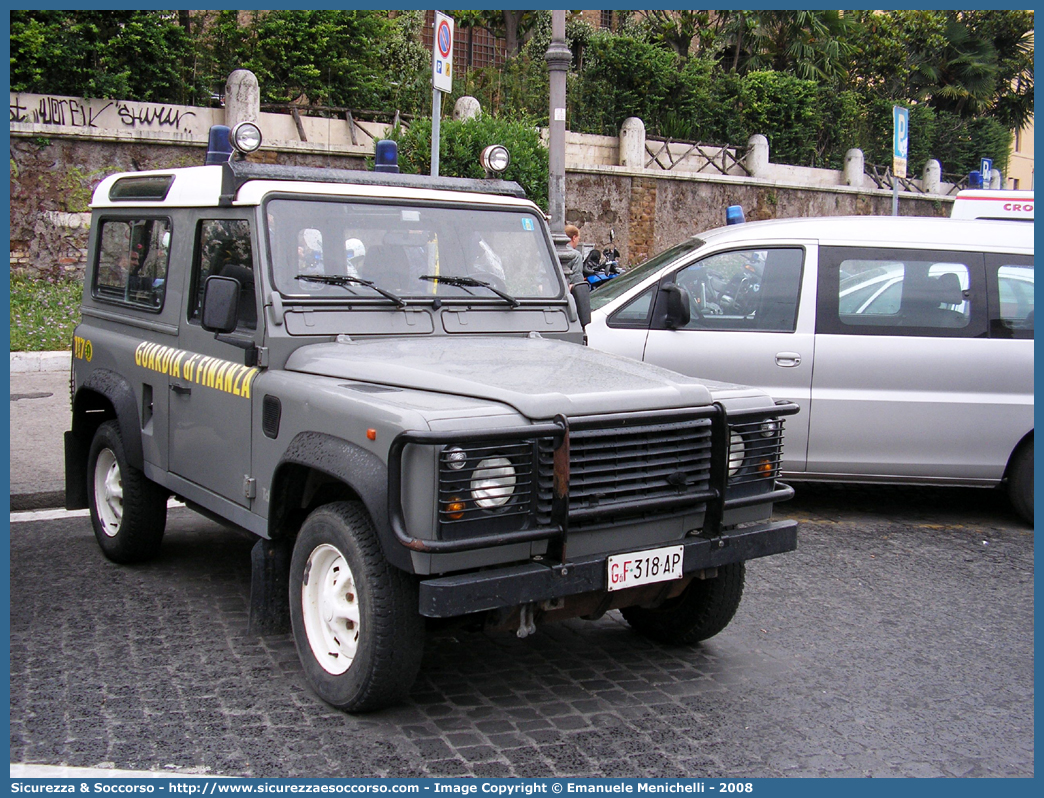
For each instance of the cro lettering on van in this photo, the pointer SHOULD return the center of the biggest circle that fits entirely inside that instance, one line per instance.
(1019, 207)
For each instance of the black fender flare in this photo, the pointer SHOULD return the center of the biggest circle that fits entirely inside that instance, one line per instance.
(117, 390)
(361, 470)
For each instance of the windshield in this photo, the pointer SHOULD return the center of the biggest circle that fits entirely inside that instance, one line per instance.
(336, 249)
(610, 290)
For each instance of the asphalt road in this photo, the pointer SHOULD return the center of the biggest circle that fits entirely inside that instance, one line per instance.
(897, 641)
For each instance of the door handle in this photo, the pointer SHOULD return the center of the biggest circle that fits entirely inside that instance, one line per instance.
(182, 390)
(788, 360)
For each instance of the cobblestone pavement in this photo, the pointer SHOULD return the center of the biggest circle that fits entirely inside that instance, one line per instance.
(897, 641)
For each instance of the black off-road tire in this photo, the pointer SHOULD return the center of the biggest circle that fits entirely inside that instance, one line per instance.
(354, 666)
(1020, 482)
(704, 609)
(128, 510)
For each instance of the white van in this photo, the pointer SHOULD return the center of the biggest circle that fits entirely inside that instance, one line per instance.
(907, 342)
(995, 204)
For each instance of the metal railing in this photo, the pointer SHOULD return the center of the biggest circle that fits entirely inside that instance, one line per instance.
(689, 156)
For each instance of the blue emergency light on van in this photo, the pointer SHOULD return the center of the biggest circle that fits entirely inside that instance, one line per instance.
(386, 156)
(734, 215)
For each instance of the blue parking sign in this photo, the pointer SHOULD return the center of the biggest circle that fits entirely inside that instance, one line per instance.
(986, 167)
(900, 140)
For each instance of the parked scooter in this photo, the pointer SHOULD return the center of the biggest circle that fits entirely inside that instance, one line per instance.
(600, 266)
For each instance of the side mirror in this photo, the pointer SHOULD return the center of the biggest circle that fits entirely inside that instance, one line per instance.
(678, 306)
(220, 304)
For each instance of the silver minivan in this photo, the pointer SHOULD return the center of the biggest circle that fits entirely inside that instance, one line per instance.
(907, 342)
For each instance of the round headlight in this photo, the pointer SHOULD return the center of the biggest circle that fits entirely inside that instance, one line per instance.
(770, 427)
(495, 158)
(246, 137)
(493, 483)
(456, 458)
(737, 450)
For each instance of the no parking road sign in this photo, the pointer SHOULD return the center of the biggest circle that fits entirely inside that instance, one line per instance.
(442, 53)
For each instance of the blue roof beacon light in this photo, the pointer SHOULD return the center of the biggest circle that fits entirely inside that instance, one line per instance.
(734, 215)
(386, 156)
(975, 179)
(219, 145)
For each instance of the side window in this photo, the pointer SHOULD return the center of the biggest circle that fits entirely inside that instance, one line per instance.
(900, 292)
(750, 289)
(133, 255)
(636, 312)
(224, 249)
(1010, 279)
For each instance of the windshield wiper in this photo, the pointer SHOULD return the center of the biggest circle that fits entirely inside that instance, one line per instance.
(346, 280)
(466, 282)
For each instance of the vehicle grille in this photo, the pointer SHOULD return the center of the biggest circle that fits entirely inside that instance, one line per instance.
(621, 471)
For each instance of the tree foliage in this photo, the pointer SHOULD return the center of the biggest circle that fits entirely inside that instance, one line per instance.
(461, 143)
(817, 83)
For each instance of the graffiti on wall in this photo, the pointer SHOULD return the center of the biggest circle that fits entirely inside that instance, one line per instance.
(43, 109)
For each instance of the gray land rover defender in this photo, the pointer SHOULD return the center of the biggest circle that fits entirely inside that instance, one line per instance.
(382, 377)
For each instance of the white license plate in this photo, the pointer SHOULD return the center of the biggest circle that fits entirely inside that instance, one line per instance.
(645, 567)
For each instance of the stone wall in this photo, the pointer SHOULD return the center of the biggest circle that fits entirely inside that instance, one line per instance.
(653, 194)
(650, 211)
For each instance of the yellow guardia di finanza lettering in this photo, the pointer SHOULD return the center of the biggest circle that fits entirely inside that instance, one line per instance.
(210, 372)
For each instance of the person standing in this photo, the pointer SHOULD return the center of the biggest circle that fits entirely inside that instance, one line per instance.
(572, 265)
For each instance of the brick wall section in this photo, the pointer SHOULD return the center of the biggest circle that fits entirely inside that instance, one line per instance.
(642, 229)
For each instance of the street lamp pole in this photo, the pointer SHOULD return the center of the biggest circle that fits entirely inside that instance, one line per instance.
(557, 56)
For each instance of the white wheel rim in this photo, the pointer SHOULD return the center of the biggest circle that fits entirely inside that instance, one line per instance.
(108, 492)
(330, 606)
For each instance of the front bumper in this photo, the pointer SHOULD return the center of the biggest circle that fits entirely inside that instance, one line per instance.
(460, 594)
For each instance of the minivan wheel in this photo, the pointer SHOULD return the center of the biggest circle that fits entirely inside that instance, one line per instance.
(128, 510)
(1020, 483)
(701, 611)
(355, 621)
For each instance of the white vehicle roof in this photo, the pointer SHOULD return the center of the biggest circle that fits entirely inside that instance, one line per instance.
(204, 186)
(882, 231)
(995, 204)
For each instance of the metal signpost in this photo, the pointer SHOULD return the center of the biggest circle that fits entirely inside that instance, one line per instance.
(900, 148)
(441, 78)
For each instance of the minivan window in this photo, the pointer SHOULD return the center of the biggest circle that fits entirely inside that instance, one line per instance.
(900, 292)
(745, 289)
(608, 291)
(1011, 296)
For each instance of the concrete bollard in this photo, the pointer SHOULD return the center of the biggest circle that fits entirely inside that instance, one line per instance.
(757, 158)
(854, 168)
(242, 98)
(467, 108)
(931, 180)
(632, 143)
(995, 178)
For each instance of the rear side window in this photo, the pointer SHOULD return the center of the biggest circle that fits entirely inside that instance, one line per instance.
(133, 255)
(901, 292)
(1010, 279)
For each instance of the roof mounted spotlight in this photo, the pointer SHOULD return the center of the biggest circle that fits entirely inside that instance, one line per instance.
(495, 159)
(245, 137)
(734, 215)
(219, 145)
(386, 156)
